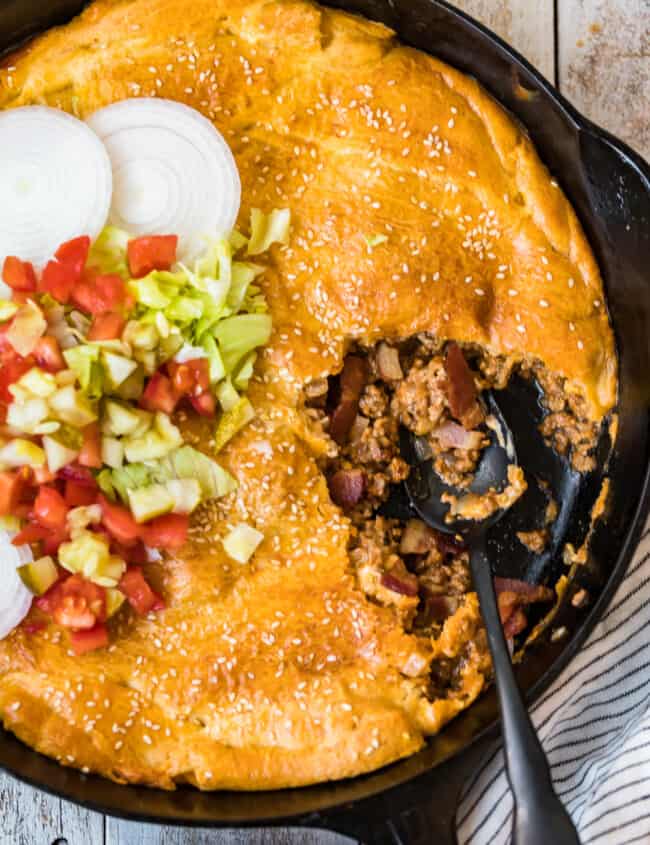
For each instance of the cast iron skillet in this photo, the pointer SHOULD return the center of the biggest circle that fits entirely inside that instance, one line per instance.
(413, 801)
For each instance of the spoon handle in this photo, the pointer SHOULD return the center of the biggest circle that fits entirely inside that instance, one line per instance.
(540, 817)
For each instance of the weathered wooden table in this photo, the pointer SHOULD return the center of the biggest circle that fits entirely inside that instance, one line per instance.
(598, 53)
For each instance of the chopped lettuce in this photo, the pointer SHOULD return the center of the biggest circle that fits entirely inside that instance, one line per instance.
(267, 229)
(233, 421)
(182, 463)
(243, 274)
(227, 395)
(108, 252)
(374, 240)
(239, 335)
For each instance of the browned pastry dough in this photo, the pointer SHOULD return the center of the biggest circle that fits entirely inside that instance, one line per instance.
(282, 672)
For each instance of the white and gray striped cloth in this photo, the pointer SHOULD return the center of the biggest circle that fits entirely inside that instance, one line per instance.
(594, 723)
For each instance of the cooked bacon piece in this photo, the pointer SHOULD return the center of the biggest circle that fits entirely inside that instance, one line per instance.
(449, 545)
(347, 487)
(405, 584)
(437, 608)
(354, 377)
(450, 435)
(388, 365)
(512, 596)
(461, 390)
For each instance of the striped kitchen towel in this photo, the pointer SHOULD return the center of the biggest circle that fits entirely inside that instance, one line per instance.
(594, 723)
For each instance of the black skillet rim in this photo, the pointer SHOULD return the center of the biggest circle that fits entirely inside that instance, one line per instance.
(318, 814)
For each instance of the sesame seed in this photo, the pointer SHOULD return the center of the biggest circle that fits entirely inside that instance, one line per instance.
(543, 303)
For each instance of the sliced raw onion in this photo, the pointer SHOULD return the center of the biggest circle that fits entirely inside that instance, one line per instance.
(15, 598)
(55, 182)
(172, 171)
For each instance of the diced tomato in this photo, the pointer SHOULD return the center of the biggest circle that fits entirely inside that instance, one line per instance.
(19, 275)
(31, 533)
(49, 600)
(50, 509)
(58, 280)
(159, 394)
(200, 368)
(10, 371)
(190, 377)
(97, 294)
(106, 326)
(181, 376)
(91, 640)
(78, 495)
(135, 553)
(166, 532)
(74, 254)
(119, 522)
(159, 603)
(138, 593)
(91, 449)
(78, 603)
(47, 353)
(155, 252)
(204, 404)
(53, 540)
(12, 485)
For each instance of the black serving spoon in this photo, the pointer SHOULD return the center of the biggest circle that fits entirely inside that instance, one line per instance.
(540, 817)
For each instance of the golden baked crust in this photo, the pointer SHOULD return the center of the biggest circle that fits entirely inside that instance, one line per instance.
(282, 672)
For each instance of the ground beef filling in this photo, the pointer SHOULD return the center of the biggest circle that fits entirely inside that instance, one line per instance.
(432, 389)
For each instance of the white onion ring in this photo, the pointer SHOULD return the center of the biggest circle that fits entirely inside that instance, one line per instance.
(15, 598)
(173, 172)
(55, 182)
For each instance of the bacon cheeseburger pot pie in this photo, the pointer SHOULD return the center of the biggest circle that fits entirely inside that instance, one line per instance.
(243, 244)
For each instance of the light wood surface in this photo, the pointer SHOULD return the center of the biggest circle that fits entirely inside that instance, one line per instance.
(600, 60)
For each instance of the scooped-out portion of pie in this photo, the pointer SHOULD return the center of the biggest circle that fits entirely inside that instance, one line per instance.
(430, 256)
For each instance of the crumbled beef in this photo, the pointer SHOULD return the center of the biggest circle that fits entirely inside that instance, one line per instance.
(536, 541)
(566, 426)
(420, 400)
(381, 571)
(443, 575)
(427, 386)
(374, 402)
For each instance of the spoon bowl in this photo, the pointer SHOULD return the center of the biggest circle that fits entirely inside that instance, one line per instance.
(425, 487)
